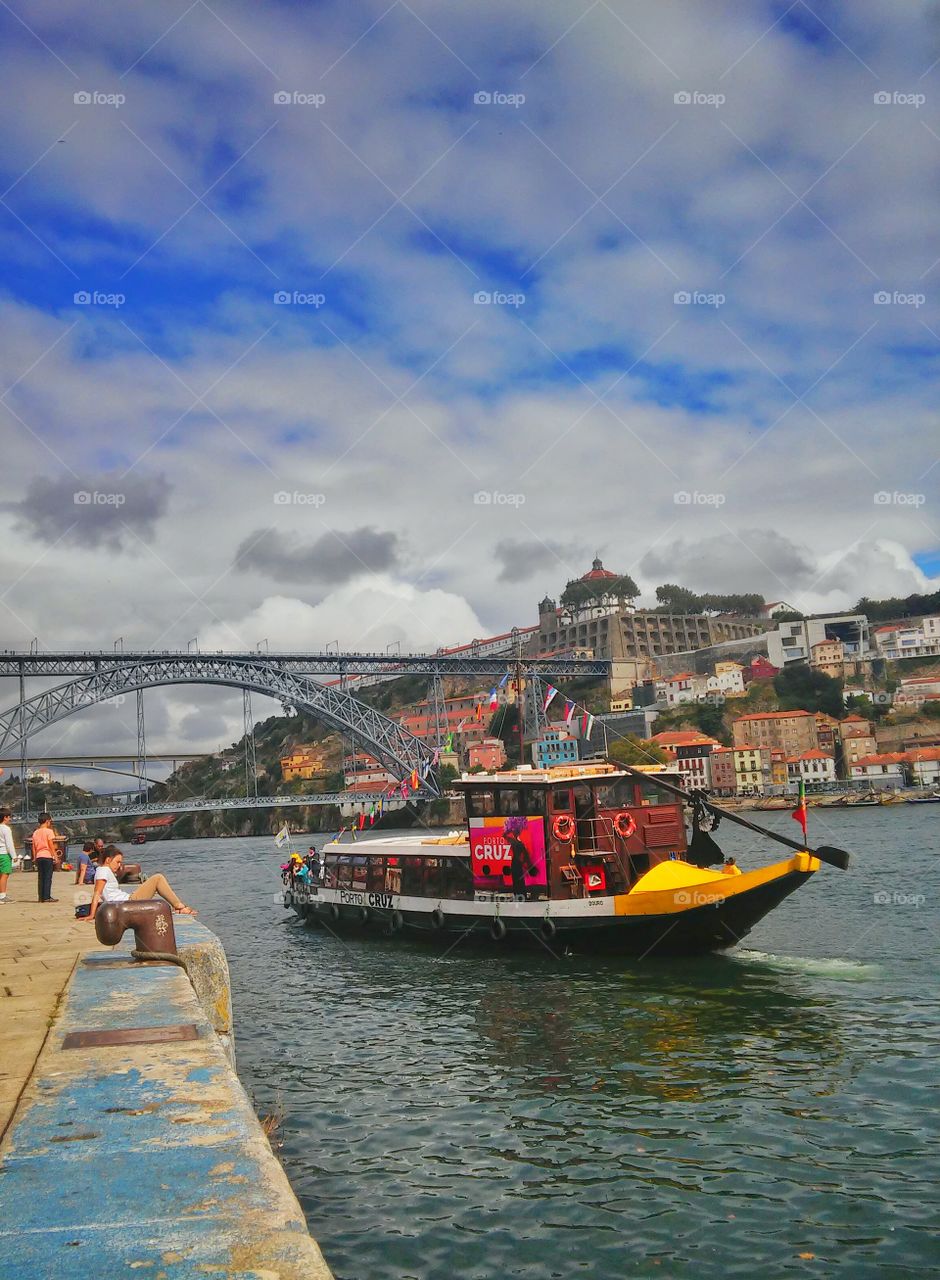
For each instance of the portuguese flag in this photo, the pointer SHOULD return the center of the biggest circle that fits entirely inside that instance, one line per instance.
(799, 813)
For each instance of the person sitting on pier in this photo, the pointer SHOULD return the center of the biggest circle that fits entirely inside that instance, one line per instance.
(86, 864)
(107, 888)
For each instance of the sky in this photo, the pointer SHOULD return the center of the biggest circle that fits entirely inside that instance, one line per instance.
(374, 323)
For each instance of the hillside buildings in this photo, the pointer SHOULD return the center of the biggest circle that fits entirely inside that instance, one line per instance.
(303, 762)
(795, 641)
(791, 732)
(610, 627)
(910, 639)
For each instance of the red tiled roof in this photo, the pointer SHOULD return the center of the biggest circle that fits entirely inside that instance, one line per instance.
(681, 738)
(597, 571)
(814, 754)
(887, 757)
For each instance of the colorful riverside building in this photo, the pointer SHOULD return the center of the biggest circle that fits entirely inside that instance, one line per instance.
(792, 732)
(554, 746)
(751, 768)
(721, 763)
(303, 762)
(488, 755)
(691, 752)
(857, 740)
(363, 773)
(467, 718)
(813, 768)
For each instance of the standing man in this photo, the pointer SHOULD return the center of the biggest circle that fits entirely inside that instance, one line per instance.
(44, 856)
(7, 851)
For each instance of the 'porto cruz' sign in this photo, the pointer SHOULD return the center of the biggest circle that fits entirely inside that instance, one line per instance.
(351, 898)
(491, 854)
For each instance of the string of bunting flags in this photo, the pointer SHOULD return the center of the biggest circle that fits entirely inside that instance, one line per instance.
(574, 715)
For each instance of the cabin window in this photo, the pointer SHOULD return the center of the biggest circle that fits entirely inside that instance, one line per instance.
(329, 872)
(514, 801)
(562, 801)
(481, 804)
(615, 795)
(412, 876)
(343, 872)
(359, 873)
(376, 881)
(651, 795)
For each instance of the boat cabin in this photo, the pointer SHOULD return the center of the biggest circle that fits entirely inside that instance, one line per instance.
(588, 828)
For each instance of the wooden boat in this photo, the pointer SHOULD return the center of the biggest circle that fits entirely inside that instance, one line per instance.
(933, 799)
(593, 855)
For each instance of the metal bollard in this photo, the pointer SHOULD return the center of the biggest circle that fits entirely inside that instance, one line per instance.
(132, 871)
(152, 922)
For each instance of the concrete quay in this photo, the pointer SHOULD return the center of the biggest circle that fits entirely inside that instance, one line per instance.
(142, 1157)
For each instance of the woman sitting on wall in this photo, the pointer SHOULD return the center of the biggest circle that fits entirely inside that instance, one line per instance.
(107, 888)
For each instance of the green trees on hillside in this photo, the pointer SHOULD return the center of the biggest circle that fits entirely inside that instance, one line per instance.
(631, 750)
(912, 606)
(800, 688)
(578, 592)
(675, 599)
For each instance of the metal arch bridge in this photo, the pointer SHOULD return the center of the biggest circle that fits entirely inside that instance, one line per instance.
(386, 740)
(326, 665)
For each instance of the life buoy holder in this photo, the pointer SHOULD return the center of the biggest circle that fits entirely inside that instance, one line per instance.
(438, 920)
(548, 928)
(497, 929)
(563, 828)
(624, 824)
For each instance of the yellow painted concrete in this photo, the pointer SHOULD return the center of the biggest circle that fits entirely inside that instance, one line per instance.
(39, 946)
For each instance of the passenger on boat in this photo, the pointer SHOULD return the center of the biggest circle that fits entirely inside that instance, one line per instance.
(107, 888)
(730, 868)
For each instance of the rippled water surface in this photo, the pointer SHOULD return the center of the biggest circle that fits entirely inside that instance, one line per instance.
(768, 1112)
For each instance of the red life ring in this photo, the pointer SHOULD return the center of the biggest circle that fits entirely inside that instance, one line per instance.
(563, 828)
(624, 824)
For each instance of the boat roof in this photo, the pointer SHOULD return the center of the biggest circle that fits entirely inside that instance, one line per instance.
(584, 771)
(454, 845)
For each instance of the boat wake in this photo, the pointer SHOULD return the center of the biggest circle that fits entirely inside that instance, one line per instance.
(850, 970)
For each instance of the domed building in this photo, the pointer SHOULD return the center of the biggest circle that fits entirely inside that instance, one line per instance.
(596, 617)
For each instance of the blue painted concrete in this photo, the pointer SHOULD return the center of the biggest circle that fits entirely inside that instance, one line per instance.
(143, 1159)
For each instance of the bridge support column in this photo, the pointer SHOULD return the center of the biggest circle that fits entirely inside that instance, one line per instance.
(251, 764)
(24, 744)
(141, 745)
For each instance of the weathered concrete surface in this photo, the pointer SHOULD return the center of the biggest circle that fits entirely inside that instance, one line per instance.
(143, 1158)
(206, 965)
(39, 945)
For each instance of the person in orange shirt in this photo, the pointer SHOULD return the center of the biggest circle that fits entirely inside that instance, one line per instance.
(44, 856)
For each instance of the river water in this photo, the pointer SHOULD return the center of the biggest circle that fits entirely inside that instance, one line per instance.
(772, 1111)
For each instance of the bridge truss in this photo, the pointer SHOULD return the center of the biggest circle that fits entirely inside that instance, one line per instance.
(384, 739)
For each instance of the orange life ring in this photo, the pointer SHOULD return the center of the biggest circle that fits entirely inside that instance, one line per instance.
(624, 824)
(563, 828)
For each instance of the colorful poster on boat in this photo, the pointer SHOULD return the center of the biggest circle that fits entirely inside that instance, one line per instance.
(491, 855)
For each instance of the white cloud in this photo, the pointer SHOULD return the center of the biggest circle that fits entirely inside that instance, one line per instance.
(369, 614)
